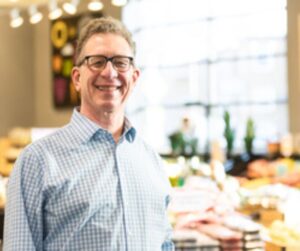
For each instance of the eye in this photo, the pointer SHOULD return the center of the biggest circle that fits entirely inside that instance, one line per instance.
(97, 62)
(121, 62)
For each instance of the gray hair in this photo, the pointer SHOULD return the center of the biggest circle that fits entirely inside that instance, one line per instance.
(102, 25)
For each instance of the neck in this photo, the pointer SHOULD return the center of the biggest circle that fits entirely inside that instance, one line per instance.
(113, 122)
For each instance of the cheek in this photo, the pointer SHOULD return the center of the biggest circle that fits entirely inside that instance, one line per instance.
(85, 83)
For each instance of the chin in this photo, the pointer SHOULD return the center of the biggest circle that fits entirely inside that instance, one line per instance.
(108, 108)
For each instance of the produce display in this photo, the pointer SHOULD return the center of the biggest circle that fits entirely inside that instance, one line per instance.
(284, 235)
(11, 147)
(282, 170)
(201, 209)
(211, 210)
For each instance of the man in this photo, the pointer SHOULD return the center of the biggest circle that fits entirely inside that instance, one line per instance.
(93, 184)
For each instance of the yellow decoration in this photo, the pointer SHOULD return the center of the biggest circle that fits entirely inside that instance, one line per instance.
(56, 63)
(72, 32)
(67, 67)
(59, 34)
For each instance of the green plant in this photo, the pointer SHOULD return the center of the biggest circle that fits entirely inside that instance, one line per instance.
(250, 135)
(177, 143)
(181, 145)
(229, 133)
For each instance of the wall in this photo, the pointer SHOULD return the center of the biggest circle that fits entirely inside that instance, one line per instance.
(45, 113)
(293, 64)
(16, 76)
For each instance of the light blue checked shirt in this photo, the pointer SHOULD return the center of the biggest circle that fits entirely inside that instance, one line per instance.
(77, 190)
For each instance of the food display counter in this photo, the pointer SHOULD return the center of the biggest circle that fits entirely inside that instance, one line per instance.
(234, 213)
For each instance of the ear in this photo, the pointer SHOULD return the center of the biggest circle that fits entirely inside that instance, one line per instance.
(76, 78)
(135, 75)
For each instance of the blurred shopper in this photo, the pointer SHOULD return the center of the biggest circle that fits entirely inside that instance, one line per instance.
(93, 184)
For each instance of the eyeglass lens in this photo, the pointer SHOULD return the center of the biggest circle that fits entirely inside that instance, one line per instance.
(120, 63)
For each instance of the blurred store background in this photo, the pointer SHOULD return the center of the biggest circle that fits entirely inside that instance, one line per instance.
(218, 98)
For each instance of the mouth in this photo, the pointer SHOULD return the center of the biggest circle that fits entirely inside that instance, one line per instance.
(108, 88)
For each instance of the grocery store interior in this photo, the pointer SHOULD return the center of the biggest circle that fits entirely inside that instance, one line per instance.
(218, 98)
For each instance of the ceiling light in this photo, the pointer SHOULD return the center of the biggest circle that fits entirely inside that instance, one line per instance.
(95, 5)
(55, 12)
(16, 19)
(71, 7)
(119, 2)
(35, 15)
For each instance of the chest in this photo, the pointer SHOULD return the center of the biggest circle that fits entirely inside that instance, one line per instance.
(96, 178)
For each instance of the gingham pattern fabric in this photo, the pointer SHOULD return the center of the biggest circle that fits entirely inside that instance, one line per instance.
(77, 190)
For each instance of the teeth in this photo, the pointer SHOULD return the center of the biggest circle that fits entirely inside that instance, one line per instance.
(107, 88)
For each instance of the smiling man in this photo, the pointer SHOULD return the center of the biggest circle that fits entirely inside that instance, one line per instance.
(93, 185)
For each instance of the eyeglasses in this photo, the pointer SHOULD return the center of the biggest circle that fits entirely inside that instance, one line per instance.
(98, 62)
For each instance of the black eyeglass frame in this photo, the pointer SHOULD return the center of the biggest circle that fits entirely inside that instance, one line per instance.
(107, 59)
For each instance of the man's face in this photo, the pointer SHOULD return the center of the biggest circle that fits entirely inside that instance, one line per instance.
(106, 90)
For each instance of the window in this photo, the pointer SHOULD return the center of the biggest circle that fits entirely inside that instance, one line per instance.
(202, 57)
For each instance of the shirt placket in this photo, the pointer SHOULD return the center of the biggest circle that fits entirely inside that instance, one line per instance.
(122, 191)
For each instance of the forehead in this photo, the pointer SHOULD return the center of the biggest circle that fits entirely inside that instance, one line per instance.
(107, 44)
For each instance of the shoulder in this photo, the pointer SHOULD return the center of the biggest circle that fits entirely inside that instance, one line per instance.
(36, 151)
(61, 137)
(27, 167)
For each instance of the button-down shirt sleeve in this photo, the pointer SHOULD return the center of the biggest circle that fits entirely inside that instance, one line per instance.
(23, 218)
(168, 244)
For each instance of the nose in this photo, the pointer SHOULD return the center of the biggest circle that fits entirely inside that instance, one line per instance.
(109, 71)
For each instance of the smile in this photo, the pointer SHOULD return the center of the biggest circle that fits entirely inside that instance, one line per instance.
(108, 88)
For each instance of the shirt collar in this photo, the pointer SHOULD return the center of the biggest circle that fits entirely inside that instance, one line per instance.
(129, 131)
(85, 129)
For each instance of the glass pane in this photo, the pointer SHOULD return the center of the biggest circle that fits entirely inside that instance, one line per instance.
(173, 86)
(253, 35)
(261, 80)
(172, 45)
(206, 56)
